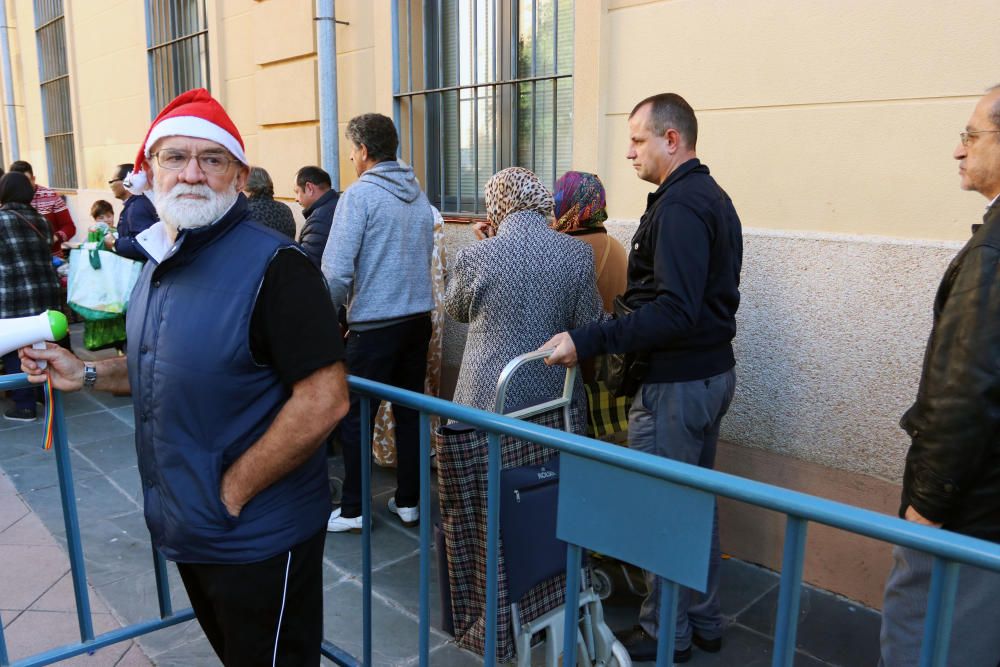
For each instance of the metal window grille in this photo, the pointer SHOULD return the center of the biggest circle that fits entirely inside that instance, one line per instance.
(177, 44)
(480, 85)
(53, 72)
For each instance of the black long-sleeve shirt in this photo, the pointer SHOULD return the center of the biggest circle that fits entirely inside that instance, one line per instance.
(683, 282)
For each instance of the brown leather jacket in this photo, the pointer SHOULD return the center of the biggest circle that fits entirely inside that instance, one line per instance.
(952, 473)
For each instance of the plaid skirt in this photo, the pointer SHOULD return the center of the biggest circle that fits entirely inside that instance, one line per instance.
(462, 472)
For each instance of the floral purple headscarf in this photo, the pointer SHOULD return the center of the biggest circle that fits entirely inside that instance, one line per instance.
(580, 202)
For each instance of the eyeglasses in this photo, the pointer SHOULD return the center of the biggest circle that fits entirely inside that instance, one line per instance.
(210, 163)
(115, 180)
(967, 136)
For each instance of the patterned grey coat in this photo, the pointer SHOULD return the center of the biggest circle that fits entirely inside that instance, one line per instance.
(517, 290)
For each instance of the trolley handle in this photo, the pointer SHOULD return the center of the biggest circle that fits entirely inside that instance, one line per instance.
(564, 402)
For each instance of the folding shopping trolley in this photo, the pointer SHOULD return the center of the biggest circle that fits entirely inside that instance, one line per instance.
(532, 561)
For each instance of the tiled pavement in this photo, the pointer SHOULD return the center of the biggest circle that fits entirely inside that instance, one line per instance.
(36, 598)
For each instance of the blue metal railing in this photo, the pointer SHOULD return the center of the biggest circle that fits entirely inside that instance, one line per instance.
(949, 549)
(88, 641)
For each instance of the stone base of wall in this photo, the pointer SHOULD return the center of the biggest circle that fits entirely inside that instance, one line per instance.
(848, 564)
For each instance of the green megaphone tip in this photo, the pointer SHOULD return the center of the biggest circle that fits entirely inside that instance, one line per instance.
(58, 324)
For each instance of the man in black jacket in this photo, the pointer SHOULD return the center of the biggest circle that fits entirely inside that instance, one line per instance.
(952, 474)
(318, 200)
(683, 291)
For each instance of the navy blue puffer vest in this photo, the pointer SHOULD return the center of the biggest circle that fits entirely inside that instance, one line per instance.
(201, 400)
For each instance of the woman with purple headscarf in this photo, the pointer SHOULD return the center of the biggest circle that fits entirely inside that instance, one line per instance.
(580, 211)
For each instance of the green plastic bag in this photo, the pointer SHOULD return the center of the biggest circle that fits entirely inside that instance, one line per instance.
(99, 334)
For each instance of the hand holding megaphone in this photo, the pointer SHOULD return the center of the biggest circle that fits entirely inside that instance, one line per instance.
(17, 332)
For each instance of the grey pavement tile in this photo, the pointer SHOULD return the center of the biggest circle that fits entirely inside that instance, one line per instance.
(37, 469)
(741, 584)
(198, 652)
(450, 655)
(746, 649)
(127, 482)
(37, 631)
(134, 657)
(110, 454)
(79, 403)
(86, 428)
(117, 547)
(134, 597)
(830, 628)
(125, 413)
(401, 582)
(15, 442)
(96, 496)
(390, 542)
(110, 400)
(394, 631)
(28, 572)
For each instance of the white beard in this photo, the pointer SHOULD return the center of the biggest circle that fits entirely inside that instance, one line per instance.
(186, 213)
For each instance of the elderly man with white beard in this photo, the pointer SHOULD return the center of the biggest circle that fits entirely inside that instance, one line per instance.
(236, 374)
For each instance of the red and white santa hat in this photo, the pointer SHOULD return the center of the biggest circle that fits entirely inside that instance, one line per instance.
(192, 114)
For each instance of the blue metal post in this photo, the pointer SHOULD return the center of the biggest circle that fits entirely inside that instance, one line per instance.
(71, 519)
(786, 624)
(492, 546)
(940, 609)
(425, 537)
(162, 584)
(574, 560)
(4, 660)
(666, 642)
(366, 528)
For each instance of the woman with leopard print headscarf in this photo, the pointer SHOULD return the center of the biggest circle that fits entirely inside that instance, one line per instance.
(516, 289)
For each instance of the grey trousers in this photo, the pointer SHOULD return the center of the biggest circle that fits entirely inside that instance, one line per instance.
(680, 421)
(975, 630)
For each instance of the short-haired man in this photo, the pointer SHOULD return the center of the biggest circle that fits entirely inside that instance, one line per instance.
(378, 262)
(315, 194)
(236, 378)
(683, 291)
(138, 214)
(952, 474)
(51, 205)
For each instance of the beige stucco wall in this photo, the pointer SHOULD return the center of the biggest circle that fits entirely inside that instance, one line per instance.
(815, 116)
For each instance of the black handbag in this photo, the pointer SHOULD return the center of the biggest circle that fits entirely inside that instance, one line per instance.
(625, 370)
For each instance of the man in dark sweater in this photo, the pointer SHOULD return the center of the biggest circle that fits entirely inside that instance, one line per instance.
(138, 214)
(318, 199)
(683, 292)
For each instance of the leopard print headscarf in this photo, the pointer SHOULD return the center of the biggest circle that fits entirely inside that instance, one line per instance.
(515, 189)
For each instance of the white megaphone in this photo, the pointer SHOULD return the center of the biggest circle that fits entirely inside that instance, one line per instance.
(17, 332)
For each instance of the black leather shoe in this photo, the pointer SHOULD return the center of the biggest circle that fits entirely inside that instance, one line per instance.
(641, 646)
(707, 645)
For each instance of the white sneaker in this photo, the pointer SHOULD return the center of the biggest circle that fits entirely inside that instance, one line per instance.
(341, 524)
(408, 516)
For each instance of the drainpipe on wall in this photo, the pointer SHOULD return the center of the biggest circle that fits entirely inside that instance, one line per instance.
(8, 79)
(326, 47)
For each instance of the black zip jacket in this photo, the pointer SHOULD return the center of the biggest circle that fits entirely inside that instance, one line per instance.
(952, 473)
(683, 282)
(316, 228)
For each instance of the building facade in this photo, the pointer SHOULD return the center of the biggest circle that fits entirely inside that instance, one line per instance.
(830, 124)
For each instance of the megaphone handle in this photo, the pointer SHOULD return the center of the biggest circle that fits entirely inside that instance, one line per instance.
(40, 345)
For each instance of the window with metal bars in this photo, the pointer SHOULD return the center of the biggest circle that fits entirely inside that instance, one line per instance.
(57, 117)
(481, 85)
(177, 44)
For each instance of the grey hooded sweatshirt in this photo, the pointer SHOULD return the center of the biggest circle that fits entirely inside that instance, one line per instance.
(378, 256)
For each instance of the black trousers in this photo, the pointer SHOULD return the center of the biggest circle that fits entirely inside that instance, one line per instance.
(264, 613)
(395, 355)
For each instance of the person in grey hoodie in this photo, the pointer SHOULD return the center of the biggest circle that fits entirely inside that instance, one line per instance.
(377, 261)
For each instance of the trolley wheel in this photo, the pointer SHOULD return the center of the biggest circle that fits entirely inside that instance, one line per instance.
(619, 655)
(601, 583)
